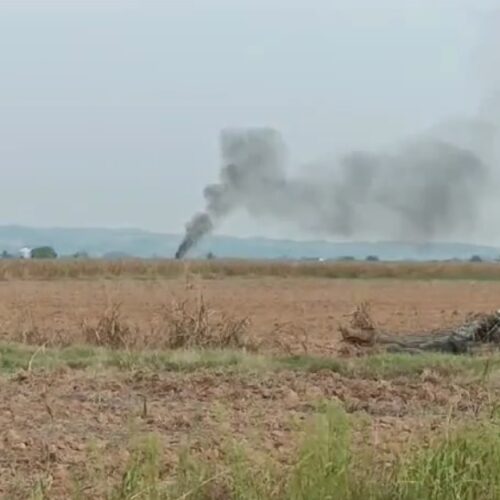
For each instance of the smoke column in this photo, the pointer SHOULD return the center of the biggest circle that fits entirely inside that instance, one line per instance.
(427, 188)
(251, 158)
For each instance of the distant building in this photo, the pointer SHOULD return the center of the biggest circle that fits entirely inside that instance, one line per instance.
(25, 253)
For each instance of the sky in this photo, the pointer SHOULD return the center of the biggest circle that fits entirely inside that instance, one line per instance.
(110, 110)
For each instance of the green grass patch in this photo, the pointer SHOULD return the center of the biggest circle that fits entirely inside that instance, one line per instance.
(398, 365)
(463, 465)
(312, 364)
(14, 357)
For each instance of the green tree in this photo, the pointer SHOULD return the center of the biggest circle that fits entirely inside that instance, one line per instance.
(44, 252)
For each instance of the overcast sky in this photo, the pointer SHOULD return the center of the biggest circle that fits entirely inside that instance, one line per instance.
(110, 110)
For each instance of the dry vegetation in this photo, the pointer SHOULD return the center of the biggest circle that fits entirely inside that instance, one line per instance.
(150, 269)
(200, 387)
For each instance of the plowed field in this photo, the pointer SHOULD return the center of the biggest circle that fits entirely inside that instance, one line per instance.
(72, 422)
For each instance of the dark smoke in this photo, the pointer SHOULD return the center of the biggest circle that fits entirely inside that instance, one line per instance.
(251, 158)
(422, 190)
(200, 225)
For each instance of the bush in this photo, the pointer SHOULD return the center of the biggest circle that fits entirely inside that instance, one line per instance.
(191, 323)
(43, 253)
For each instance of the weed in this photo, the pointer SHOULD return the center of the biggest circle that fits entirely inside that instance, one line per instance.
(42, 487)
(324, 462)
(191, 323)
(110, 331)
(141, 479)
(463, 465)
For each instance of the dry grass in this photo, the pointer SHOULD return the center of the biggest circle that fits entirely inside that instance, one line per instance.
(110, 330)
(151, 269)
(288, 315)
(191, 323)
(184, 322)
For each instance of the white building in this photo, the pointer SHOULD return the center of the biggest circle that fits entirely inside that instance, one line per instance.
(25, 253)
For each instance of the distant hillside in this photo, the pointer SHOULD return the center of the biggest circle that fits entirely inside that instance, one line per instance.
(136, 242)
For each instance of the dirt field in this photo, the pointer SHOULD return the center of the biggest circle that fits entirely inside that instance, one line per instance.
(59, 426)
(291, 314)
(51, 421)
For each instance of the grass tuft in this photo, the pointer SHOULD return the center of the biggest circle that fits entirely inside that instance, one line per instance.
(463, 465)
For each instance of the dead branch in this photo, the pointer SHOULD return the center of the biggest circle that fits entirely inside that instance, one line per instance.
(480, 330)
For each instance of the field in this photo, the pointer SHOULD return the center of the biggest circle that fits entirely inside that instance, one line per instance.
(165, 380)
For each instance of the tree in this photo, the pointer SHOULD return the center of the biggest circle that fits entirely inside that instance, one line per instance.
(372, 258)
(6, 255)
(44, 252)
(476, 258)
(210, 256)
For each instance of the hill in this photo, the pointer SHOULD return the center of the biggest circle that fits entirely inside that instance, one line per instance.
(140, 243)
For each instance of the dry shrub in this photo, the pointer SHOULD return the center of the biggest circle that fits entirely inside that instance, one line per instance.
(191, 323)
(111, 330)
(361, 329)
(362, 318)
(180, 324)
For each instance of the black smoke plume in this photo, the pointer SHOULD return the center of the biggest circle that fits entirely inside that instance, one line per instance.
(421, 190)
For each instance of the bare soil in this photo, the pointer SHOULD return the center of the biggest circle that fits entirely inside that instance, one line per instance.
(52, 424)
(287, 314)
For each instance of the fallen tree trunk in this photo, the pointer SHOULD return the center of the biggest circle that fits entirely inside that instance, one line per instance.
(480, 330)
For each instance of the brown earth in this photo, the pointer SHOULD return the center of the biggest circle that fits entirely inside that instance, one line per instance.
(288, 314)
(50, 423)
(66, 424)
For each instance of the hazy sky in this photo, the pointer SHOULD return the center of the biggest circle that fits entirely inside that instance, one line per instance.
(110, 110)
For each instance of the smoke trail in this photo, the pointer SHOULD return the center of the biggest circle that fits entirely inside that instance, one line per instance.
(195, 230)
(426, 188)
(252, 159)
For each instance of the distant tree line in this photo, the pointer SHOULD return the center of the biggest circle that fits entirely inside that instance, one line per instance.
(48, 252)
(41, 252)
